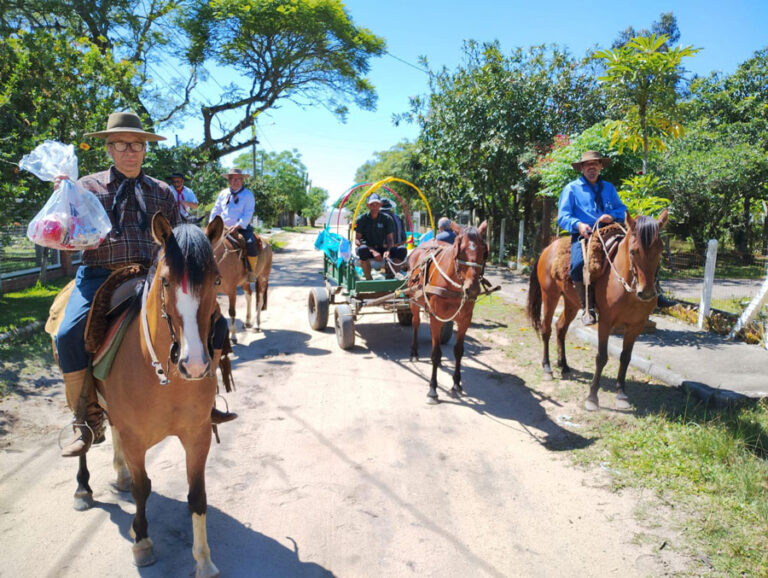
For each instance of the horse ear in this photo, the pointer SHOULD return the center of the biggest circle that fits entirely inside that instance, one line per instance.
(482, 228)
(630, 221)
(214, 230)
(663, 219)
(161, 228)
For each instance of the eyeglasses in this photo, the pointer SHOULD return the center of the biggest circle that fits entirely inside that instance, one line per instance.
(121, 146)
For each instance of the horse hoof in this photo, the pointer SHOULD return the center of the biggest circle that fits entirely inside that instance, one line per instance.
(248, 324)
(206, 569)
(432, 400)
(143, 553)
(547, 376)
(457, 392)
(83, 501)
(591, 405)
(622, 402)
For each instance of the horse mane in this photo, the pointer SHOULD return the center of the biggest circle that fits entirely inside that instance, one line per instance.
(473, 234)
(646, 230)
(188, 251)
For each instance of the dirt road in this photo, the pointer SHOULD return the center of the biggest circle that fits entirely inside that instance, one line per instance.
(337, 466)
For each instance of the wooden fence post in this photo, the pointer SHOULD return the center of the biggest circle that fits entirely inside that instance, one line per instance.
(709, 279)
(501, 241)
(520, 237)
(754, 306)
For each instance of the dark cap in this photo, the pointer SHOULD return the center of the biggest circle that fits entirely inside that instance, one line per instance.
(176, 176)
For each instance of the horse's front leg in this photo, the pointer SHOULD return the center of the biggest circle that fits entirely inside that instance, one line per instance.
(437, 354)
(123, 481)
(603, 331)
(416, 321)
(196, 448)
(630, 335)
(249, 307)
(462, 324)
(135, 455)
(232, 327)
(548, 306)
(84, 493)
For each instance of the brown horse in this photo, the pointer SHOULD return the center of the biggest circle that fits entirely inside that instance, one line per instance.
(625, 296)
(445, 281)
(145, 401)
(234, 274)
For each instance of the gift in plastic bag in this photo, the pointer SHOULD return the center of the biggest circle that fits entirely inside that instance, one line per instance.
(73, 218)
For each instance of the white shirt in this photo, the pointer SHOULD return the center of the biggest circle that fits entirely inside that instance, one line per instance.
(234, 213)
(185, 195)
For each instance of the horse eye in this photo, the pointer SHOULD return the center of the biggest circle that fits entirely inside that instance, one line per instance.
(165, 282)
(218, 281)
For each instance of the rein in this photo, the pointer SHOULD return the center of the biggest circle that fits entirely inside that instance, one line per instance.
(227, 251)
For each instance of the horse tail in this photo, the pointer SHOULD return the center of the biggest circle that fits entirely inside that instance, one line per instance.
(534, 298)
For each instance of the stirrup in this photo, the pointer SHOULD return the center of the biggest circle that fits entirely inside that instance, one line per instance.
(86, 436)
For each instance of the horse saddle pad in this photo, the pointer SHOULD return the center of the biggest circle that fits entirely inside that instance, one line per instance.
(611, 234)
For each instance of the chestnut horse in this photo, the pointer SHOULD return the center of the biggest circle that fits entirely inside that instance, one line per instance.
(624, 295)
(444, 280)
(147, 402)
(234, 274)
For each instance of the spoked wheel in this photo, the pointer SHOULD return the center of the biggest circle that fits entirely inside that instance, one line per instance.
(317, 308)
(404, 317)
(345, 326)
(445, 332)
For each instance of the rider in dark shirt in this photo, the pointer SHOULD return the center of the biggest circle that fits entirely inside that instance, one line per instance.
(374, 237)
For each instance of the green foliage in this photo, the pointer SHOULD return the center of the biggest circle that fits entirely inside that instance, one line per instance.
(19, 308)
(401, 161)
(554, 170)
(480, 123)
(308, 51)
(280, 185)
(641, 78)
(315, 206)
(639, 195)
(52, 87)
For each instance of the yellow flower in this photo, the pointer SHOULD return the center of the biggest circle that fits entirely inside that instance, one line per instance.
(85, 146)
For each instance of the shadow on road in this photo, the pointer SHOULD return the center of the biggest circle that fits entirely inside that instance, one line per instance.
(236, 549)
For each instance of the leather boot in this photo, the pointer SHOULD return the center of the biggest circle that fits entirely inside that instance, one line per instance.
(252, 261)
(366, 267)
(588, 318)
(218, 416)
(81, 399)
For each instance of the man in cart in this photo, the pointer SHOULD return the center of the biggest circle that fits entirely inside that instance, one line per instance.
(375, 239)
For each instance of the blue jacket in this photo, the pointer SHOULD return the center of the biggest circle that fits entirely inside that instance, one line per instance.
(577, 204)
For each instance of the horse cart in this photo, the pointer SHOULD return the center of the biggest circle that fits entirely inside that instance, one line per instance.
(343, 285)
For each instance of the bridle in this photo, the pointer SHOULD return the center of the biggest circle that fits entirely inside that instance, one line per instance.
(632, 265)
(228, 251)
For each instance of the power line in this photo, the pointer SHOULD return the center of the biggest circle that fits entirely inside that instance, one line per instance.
(419, 68)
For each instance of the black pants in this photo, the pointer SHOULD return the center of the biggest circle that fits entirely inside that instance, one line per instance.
(395, 253)
(251, 248)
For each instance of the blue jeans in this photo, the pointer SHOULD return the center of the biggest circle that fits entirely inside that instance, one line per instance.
(70, 341)
(577, 260)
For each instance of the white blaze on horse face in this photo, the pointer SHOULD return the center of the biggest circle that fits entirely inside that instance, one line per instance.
(192, 348)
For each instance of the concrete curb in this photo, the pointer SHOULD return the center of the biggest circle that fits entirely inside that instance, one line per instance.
(21, 331)
(714, 396)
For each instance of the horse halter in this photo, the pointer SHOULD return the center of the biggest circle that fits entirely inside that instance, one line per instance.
(632, 266)
(175, 350)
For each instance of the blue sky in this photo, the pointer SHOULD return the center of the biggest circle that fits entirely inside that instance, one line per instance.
(727, 32)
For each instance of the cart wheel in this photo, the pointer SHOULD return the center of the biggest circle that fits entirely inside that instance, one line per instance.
(405, 317)
(317, 308)
(345, 326)
(445, 332)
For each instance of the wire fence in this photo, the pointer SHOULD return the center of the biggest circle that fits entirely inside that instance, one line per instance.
(20, 256)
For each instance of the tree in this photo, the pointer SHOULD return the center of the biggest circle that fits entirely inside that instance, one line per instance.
(307, 51)
(315, 206)
(480, 123)
(53, 88)
(402, 161)
(641, 78)
(666, 24)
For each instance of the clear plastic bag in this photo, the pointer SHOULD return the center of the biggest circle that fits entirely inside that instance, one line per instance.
(73, 218)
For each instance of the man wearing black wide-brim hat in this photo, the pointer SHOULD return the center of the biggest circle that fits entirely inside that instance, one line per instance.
(585, 203)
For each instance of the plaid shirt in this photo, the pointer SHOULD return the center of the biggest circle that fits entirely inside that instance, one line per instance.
(132, 245)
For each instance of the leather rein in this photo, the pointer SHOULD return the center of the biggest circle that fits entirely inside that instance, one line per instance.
(632, 266)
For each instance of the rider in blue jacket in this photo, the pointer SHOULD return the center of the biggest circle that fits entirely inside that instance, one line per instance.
(585, 203)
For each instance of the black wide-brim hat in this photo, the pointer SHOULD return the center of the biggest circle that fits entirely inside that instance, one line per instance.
(122, 122)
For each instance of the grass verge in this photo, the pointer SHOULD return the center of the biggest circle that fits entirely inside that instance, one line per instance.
(19, 308)
(708, 465)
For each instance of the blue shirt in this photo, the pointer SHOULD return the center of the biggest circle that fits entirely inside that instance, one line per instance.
(577, 204)
(234, 213)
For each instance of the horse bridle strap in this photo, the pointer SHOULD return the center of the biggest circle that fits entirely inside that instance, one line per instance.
(162, 376)
(627, 287)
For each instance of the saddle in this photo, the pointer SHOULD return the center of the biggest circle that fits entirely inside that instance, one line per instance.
(596, 263)
(238, 241)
